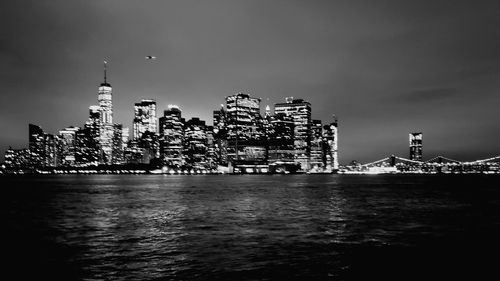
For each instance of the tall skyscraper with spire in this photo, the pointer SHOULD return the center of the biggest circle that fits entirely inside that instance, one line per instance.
(105, 120)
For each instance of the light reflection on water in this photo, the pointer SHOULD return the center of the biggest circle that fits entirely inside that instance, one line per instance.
(185, 227)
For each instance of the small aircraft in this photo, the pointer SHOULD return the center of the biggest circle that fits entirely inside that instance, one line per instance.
(150, 57)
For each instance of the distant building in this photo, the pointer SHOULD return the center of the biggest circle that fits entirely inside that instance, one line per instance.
(86, 147)
(195, 143)
(220, 136)
(106, 129)
(36, 146)
(93, 122)
(135, 155)
(330, 146)
(212, 161)
(118, 148)
(144, 118)
(172, 136)
(17, 159)
(300, 111)
(125, 138)
(416, 146)
(50, 143)
(67, 146)
(245, 133)
(316, 159)
(91, 153)
(281, 139)
(149, 145)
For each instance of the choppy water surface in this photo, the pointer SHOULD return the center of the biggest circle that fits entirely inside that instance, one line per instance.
(307, 227)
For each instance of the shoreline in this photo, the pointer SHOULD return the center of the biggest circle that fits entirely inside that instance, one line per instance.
(146, 172)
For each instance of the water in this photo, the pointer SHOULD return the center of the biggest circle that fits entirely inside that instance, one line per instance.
(303, 227)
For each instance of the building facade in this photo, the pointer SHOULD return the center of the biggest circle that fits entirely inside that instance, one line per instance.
(244, 124)
(144, 118)
(106, 130)
(172, 136)
(416, 146)
(67, 146)
(316, 159)
(330, 146)
(195, 144)
(300, 111)
(36, 146)
(281, 139)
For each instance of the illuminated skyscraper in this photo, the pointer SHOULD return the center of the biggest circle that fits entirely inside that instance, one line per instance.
(245, 132)
(330, 146)
(125, 137)
(280, 139)
(171, 136)
(36, 146)
(86, 147)
(220, 136)
(50, 142)
(105, 120)
(195, 143)
(316, 161)
(17, 159)
(67, 146)
(416, 146)
(211, 144)
(144, 118)
(300, 111)
(93, 121)
(90, 134)
(118, 152)
(42, 148)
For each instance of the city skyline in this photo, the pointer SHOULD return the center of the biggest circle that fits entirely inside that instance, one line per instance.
(242, 140)
(426, 67)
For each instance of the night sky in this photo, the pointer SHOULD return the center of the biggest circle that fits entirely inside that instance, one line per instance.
(385, 68)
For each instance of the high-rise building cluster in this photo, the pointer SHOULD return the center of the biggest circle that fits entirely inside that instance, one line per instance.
(241, 140)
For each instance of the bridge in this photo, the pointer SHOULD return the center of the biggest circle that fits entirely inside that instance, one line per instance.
(438, 164)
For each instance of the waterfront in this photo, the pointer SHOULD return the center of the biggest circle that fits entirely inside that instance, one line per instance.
(251, 227)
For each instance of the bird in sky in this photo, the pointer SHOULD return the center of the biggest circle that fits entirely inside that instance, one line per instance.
(150, 57)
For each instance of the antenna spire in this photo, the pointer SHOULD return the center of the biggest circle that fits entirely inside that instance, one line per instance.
(105, 66)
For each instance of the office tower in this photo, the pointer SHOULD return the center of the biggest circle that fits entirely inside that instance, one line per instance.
(36, 146)
(86, 147)
(316, 161)
(211, 145)
(134, 154)
(330, 146)
(16, 159)
(67, 146)
(88, 140)
(106, 130)
(149, 145)
(195, 143)
(125, 137)
(244, 128)
(81, 147)
(118, 153)
(93, 122)
(171, 136)
(416, 146)
(280, 139)
(144, 118)
(220, 136)
(42, 148)
(300, 111)
(50, 143)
